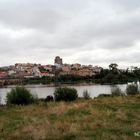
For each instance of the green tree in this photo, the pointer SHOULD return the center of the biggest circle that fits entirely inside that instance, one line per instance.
(65, 94)
(20, 96)
(113, 66)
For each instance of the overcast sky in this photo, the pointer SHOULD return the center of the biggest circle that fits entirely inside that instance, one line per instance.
(97, 32)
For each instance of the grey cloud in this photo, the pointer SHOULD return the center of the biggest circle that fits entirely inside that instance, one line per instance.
(84, 31)
(44, 14)
(127, 4)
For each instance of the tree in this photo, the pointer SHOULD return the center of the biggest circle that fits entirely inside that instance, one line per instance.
(65, 94)
(20, 96)
(113, 67)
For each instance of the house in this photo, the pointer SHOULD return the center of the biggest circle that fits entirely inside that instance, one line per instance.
(3, 74)
(44, 74)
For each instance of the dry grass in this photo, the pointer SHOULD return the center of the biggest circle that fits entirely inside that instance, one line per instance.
(115, 118)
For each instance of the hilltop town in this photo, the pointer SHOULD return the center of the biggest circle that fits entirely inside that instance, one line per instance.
(29, 70)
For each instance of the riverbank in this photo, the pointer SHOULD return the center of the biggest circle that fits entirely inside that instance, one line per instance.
(101, 118)
(51, 85)
(67, 79)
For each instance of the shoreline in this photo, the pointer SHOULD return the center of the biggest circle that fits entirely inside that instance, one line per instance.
(51, 85)
(59, 84)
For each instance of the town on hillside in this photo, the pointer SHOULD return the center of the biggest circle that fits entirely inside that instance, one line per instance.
(29, 70)
(59, 73)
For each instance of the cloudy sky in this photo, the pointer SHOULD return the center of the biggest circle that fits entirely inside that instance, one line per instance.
(96, 32)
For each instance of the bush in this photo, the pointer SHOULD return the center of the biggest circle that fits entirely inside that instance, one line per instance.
(20, 96)
(65, 94)
(132, 89)
(86, 95)
(116, 91)
(49, 98)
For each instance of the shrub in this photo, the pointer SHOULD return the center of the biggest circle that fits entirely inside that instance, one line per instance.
(86, 95)
(20, 96)
(132, 89)
(49, 98)
(65, 94)
(116, 91)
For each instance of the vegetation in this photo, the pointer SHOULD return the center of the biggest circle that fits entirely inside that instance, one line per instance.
(65, 94)
(132, 89)
(116, 91)
(49, 98)
(86, 95)
(113, 67)
(100, 119)
(112, 75)
(37, 80)
(43, 70)
(20, 96)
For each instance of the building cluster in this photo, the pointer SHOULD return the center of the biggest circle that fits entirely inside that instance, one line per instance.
(28, 70)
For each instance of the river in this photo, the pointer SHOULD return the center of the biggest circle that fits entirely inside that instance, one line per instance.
(43, 90)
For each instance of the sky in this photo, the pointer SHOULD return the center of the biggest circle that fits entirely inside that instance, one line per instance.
(97, 32)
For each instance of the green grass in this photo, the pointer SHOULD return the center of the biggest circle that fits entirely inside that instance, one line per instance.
(109, 118)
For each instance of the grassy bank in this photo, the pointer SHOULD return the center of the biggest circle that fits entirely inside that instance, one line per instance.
(115, 118)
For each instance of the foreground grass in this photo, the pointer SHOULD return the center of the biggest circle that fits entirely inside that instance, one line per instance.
(110, 118)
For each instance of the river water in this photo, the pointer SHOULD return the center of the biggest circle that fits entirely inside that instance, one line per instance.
(43, 90)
